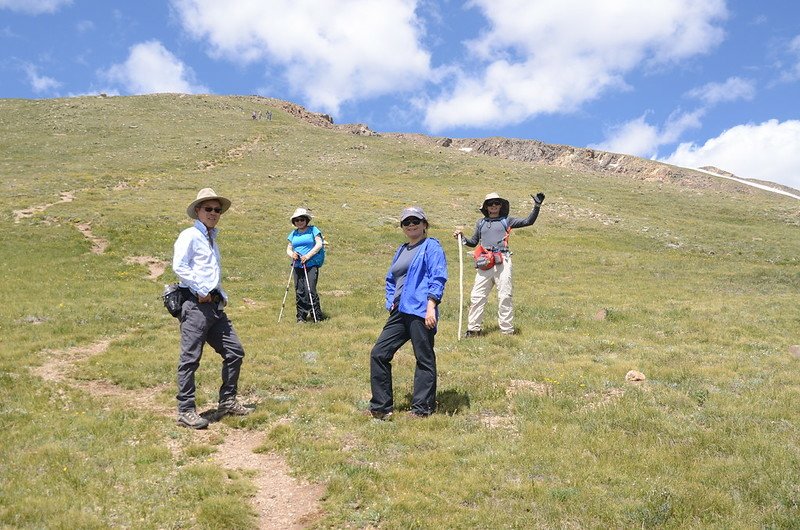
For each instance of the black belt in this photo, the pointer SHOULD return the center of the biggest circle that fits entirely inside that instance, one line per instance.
(216, 297)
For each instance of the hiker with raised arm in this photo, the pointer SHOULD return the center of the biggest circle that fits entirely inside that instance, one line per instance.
(198, 264)
(493, 260)
(307, 249)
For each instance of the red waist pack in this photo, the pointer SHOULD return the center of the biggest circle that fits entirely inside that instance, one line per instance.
(485, 259)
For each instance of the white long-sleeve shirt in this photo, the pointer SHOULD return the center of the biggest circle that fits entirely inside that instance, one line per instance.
(197, 264)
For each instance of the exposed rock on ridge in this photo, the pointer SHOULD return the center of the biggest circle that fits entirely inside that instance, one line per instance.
(537, 152)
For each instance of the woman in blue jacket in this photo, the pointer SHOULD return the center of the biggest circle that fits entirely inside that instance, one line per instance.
(414, 288)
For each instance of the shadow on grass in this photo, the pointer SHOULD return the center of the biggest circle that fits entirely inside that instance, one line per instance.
(215, 414)
(452, 402)
(449, 402)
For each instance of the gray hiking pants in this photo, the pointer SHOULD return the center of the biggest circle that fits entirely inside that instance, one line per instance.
(201, 323)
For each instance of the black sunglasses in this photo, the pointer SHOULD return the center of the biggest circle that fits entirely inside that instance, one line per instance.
(298, 219)
(493, 203)
(410, 221)
(209, 209)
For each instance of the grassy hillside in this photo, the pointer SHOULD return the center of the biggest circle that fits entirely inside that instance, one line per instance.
(537, 430)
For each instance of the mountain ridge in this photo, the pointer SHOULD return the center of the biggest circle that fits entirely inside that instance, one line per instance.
(538, 152)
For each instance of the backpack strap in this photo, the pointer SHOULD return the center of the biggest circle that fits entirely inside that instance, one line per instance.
(505, 224)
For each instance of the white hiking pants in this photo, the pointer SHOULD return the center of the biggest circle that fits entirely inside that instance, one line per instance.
(499, 275)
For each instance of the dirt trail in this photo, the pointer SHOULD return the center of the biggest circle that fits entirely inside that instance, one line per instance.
(155, 266)
(99, 245)
(19, 215)
(281, 501)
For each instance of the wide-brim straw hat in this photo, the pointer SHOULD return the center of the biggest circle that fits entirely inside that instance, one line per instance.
(504, 206)
(301, 212)
(207, 194)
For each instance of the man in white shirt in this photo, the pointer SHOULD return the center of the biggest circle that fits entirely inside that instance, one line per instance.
(198, 265)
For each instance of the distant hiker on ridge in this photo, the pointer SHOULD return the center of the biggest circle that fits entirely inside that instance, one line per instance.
(197, 263)
(493, 261)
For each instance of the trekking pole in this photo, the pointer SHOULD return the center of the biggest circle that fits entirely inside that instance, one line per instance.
(310, 298)
(288, 283)
(460, 285)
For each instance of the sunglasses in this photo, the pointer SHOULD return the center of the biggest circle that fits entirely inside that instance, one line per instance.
(298, 219)
(209, 209)
(493, 203)
(410, 221)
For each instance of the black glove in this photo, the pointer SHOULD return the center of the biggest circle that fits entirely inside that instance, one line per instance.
(539, 199)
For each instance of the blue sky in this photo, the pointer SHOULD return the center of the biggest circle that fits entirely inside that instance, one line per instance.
(690, 82)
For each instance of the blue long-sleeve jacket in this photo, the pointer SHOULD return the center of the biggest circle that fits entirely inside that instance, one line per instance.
(425, 279)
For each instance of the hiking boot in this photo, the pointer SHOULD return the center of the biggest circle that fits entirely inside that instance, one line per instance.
(509, 332)
(416, 415)
(382, 416)
(473, 333)
(191, 419)
(234, 407)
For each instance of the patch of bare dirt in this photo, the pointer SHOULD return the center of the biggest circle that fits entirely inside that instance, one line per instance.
(155, 266)
(60, 361)
(64, 196)
(99, 245)
(281, 501)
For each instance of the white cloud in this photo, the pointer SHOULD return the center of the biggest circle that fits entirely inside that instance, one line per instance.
(551, 56)
(733, 89)
(793, 72)
(151, 68)
(639, 138)
(84, 25)
(332, 51)
(40, 84)
(767, 151)
(33, 7)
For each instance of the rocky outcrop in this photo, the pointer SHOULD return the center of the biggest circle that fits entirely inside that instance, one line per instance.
(537, 152)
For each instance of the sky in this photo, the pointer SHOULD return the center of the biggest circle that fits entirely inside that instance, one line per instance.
(689, 82)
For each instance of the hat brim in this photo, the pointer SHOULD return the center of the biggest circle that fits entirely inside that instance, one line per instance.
(223, 202)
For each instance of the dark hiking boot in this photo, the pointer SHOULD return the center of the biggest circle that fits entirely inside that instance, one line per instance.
(191, 419)
(414, 415)
(473, 333)
(234, 407)
(382, 416)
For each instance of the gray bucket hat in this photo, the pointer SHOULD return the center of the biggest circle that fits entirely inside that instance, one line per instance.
(504, 205)
(412, 211)
(207, 194)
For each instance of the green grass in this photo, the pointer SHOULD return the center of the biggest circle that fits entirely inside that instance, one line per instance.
(700, 286)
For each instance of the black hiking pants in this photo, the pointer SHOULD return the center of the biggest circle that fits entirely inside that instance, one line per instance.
(399, 329)
(307, 298)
